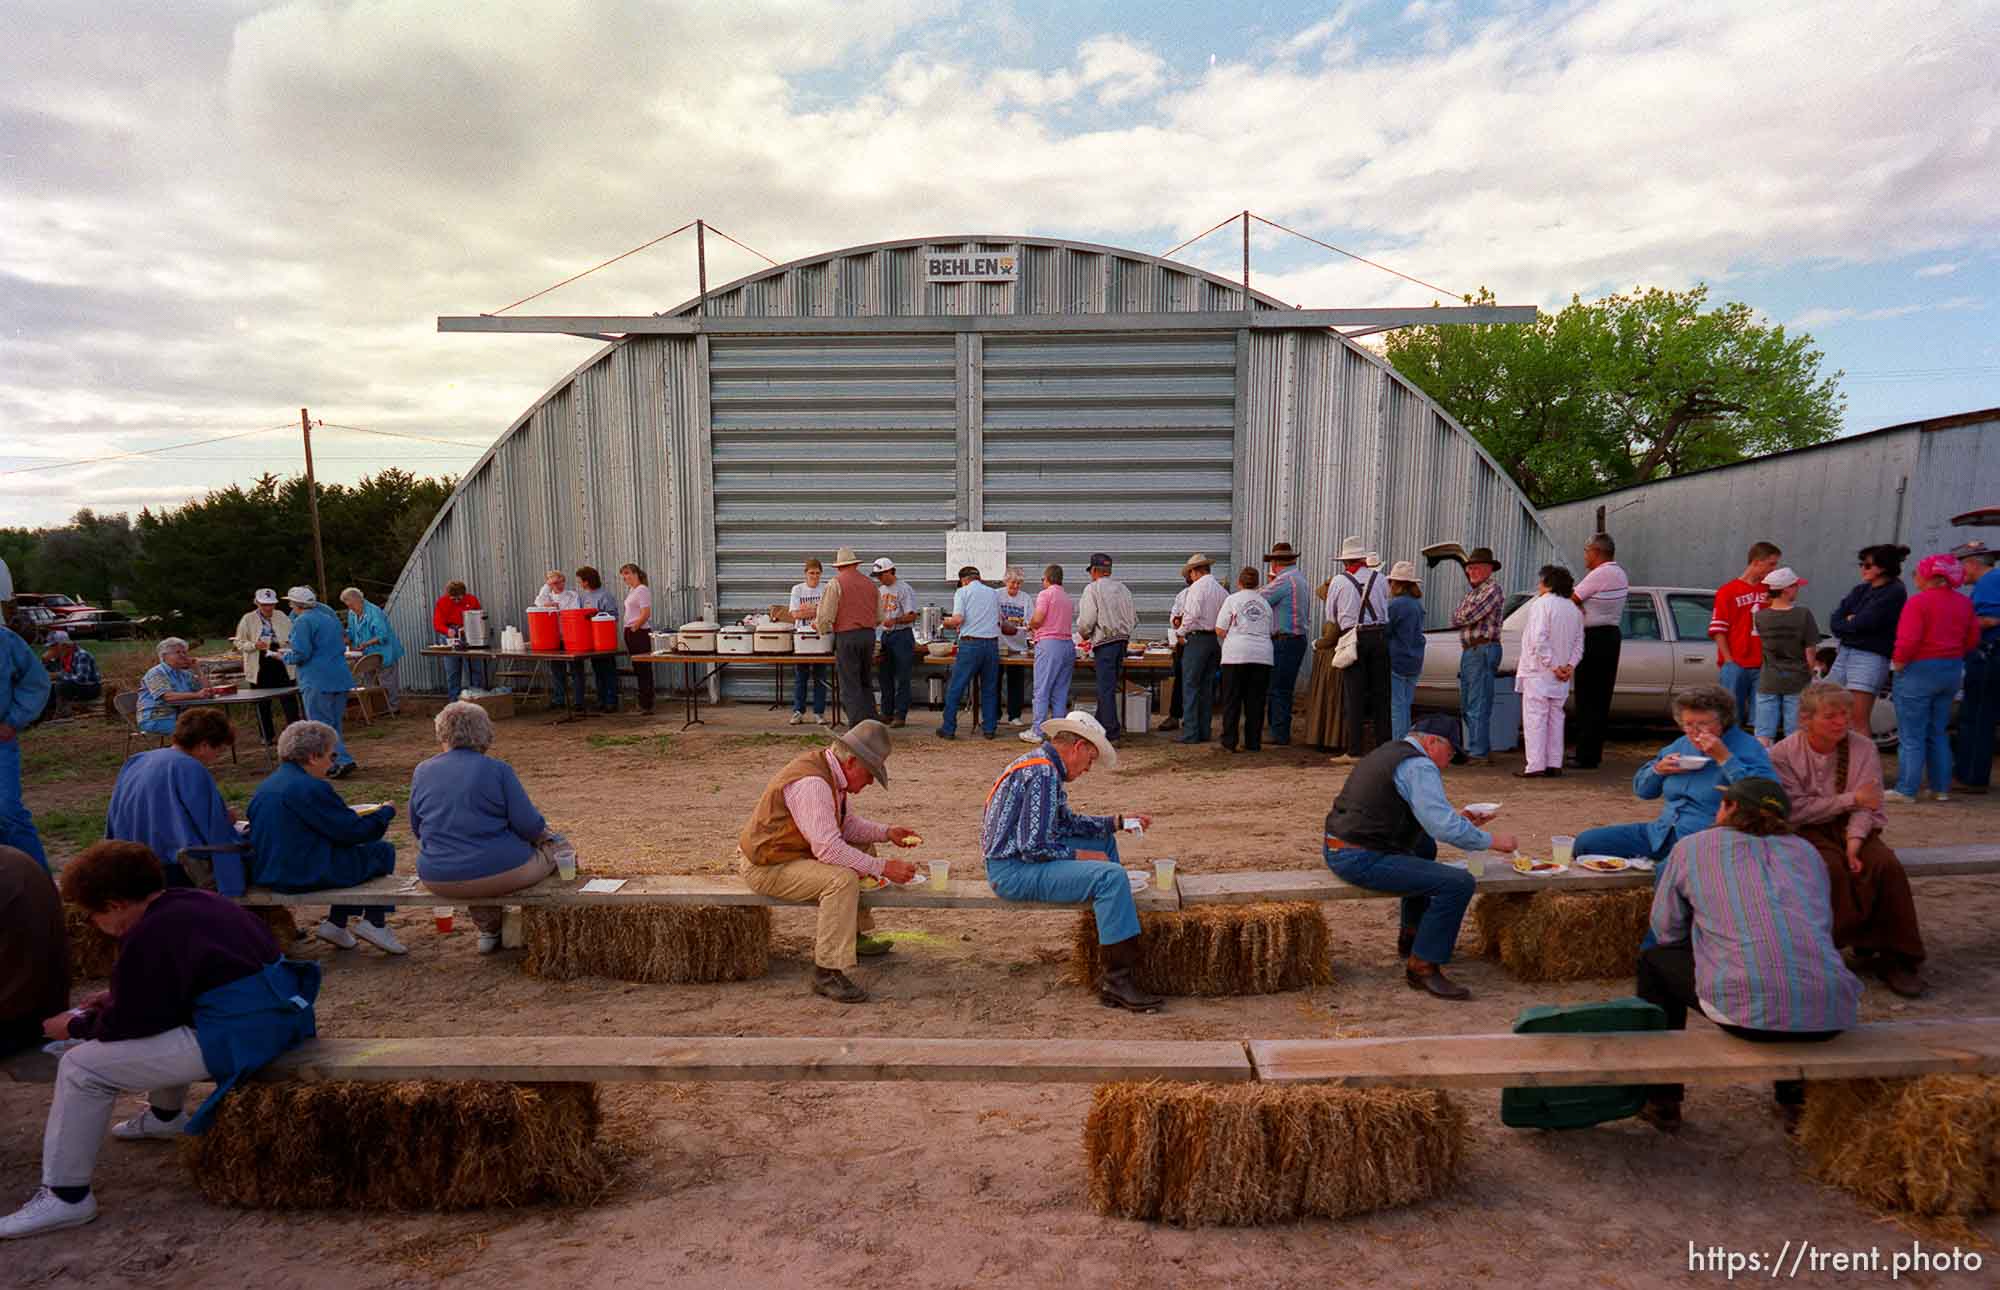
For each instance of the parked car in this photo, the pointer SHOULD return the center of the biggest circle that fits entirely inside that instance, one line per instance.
(54, 601)
(31, 622)
(100, 624)
(1666, 650)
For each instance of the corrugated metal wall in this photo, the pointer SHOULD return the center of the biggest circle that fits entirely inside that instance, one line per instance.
(1820, 505)
(720, 463)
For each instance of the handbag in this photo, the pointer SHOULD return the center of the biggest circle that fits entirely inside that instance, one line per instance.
(1347, 650)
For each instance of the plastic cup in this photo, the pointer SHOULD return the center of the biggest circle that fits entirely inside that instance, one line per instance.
(1163, 874)
(566, 865)
(940, 875)
(444, 920)
(1475, 863)
(1561, 847)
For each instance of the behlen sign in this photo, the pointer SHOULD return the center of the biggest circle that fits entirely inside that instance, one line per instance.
(984, 267)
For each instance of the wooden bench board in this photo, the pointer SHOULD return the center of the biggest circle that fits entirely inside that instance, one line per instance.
(1704, 1056)
(596, 1059)
(676, 889)
(1499, 879)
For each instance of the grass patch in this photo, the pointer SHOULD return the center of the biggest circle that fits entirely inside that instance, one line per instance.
(74, 827)
(658, 743)
(53, 755)
(776, 739)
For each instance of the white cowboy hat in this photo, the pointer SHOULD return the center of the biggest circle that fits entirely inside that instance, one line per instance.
(1373, 559)
(1084, 726)
(1353, 548)
(1404, 571)
(845, 556)
(302, 596)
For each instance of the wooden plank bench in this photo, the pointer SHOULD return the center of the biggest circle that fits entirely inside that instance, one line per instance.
(1320, 884)
(677, 889)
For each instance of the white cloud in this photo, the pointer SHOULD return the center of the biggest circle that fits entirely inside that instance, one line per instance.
(1119, 70)
(1957, 303)
(1938, 270)
(1824, 317)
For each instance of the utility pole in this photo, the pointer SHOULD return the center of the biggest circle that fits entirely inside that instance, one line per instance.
(312, 505)
(701, 263)
(1246, 260)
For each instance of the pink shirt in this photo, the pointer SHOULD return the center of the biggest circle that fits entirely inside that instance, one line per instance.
(814, 809)
(1936, 623)
(1058, 615)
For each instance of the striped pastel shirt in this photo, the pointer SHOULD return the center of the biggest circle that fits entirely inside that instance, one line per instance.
(1757, 912)
(1287, 594)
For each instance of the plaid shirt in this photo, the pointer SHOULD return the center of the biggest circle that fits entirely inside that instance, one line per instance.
(1478, 615)
(82, 669)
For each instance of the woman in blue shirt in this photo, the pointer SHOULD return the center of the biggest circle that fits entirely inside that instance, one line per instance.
(368, 630)
(477, 833)
(304, 838)
(166, 797)
(1406, 644)
(1723, 753)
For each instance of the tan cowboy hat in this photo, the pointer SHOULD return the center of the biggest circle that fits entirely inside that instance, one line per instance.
(1403, 571)
(845, 556)
(1282, 551)
(1196, 561)
(1084, 726)
(1373, 559)
(869, 740)
(1353, 548)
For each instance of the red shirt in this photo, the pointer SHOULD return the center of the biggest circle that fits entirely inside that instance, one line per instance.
(450, 613)
(1736, 606)
(1936, 623)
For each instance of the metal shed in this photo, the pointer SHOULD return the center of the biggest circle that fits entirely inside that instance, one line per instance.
(1900, 484)
(1104, 400)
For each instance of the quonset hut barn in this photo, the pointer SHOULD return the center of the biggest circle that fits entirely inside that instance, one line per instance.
(1078, 398)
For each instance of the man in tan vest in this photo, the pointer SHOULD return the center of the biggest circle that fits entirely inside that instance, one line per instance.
(803, 843)
(849, 613)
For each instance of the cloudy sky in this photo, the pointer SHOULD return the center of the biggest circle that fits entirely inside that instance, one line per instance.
(213, 214)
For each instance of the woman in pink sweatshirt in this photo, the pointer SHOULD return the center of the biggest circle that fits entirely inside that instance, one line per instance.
(1935, 633)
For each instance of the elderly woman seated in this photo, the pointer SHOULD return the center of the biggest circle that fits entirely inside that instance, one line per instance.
(166, 797)
(305, 838)
(478, 835)
(1690, 773)
(1745, 935)
(172, 680)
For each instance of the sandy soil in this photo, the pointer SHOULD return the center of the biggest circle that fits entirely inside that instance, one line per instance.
(952, 1185)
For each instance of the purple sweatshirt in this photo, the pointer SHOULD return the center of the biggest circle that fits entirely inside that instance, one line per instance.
(186, 943)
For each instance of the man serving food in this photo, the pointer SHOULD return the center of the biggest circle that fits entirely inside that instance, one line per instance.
(1037, 849)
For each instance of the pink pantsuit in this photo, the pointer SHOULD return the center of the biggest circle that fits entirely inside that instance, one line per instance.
(1553, 638)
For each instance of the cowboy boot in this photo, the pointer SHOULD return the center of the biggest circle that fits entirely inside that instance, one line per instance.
(1118, 989)
(1430, 978)
(1406, 940)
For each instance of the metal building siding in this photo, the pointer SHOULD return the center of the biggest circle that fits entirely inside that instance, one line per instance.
(1114, 443)
(1958, 470)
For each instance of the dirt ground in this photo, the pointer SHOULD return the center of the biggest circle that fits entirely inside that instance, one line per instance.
(952, 1185)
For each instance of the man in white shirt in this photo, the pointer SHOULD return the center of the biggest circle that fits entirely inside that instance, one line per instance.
(1201, 652)
(899, 642)
(1358, 599)
(1601, 595)
(1177, 642)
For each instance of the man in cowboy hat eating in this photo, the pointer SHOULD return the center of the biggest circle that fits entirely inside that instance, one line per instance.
(1478, 618)
(803, 843)
(849, 613)
(1036, 849)
(1291, 620)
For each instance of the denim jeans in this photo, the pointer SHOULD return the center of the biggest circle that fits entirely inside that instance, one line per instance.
(17, 823)
(1200, 656)
(1064, 882)
(1434, 895)
(559, 681)
(1628, 841)
(1476, 669)
(980, 656)
(1288, 655)
(1859, 671)
(1110, 658)
(1773, 711)
(816, 674)
(1055, 663)
(1402, 693)
(1017, 689)
(460, 672)
(604, 670)
(329, 706)
(1923, 709)
(1741, 682)
(1972, 750)
(899, 655)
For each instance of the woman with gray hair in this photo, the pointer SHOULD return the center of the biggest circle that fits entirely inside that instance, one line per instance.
(303, 837)
(1016, 606)
(1690, 774)
(477, 833)
(172, 680)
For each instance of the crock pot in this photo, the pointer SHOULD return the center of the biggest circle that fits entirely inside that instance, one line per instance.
(772, 638)
(735, 640)
(808, 640)
(697, 637)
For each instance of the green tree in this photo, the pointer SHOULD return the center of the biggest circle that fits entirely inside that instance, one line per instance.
(90, 557)
(1624, 389)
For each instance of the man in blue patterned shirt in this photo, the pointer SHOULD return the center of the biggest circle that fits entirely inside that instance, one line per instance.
(1037, 849)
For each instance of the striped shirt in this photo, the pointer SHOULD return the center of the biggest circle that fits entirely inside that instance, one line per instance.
(1758, 913)
(1287, 594)
(835, 834)
(81, 668)
(160, 681)
(1478, 615)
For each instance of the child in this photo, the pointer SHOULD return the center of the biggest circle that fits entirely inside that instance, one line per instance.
(1406, 644)
(1790, 637)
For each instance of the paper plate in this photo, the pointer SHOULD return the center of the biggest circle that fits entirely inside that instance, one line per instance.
(1603, 864)
(1140, 881)
(1483, 808)
(1691, 761)
(1540, 869)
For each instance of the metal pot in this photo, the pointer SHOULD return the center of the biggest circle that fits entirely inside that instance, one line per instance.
(735, 640)
(809, 640)
(697, 638)
(772, 638)
(662, 642)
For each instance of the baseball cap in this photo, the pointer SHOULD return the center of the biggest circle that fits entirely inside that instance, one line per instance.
(883, 564)
(1444, 727)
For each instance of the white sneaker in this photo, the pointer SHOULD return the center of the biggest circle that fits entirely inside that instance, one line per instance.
(380, 937)
(1940, 797)
(338, 937)
(1894, 796)
(46, 1212)
(798, 719)
(1029, 737)
(489, 942)
(819, 719)
(147, 1125)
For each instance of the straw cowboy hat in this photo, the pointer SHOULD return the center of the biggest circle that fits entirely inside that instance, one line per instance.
(1084, 726)
(1195, 561)
(1373, 559)
(1282, 551)
(303, 596)
(1403, 571)
(869, 741)
(845, 556)
(1353, 548)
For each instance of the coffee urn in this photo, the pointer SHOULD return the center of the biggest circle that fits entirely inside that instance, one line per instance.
(475, 628)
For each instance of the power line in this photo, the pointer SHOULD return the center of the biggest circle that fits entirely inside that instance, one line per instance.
(1198, 236)
(1455, 295)
(398, 434)
(595, 267)
(751, 249)
(144, 452)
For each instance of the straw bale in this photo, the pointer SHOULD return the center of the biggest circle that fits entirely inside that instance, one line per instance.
(284, 927)
(1928, 1146)
(418, 1145)
(91, 952)
(1564, 936)
(653, 943)
(1218, 949)
(1238, 1154)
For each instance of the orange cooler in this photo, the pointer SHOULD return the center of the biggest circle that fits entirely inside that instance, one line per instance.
(542, 630)
(576, 630)
(604, 632)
